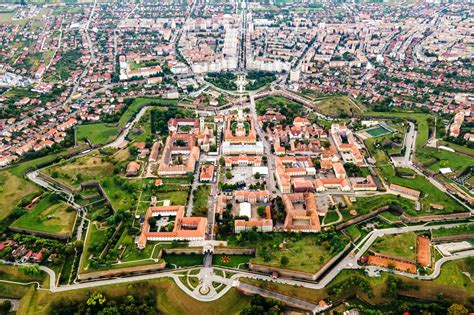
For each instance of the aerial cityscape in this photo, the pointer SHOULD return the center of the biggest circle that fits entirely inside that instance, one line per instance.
(236, 157)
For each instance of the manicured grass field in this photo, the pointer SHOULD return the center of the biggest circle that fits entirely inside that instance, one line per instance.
(132, 252)
(178, 197)
(12, 190)
(339, 105)
(396, 245)
(101, 133)
(48, 215)
(183, 260)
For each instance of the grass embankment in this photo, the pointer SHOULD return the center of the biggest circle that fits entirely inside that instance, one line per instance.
(138, 103)
(100, 133)
(12, 189)
(339, 106)
(364, 205)
(396, 245)
(50, 215)
(466, 229)
(452, 284)
(429, 193)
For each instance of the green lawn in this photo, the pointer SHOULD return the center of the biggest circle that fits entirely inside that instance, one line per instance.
(15, 273)
(330, 217)
(430, 194)
(365, 205)
(457, 148)
(93, 238)
(201, 197)
(304, 253)
(396, 245)
(170, 299)
(178, 197)
(183, 260)
(138, 103)
(443, 158)
(77, 170)
(49, 215)
(100, 133)
(132, 252)
(464, 229)
(12, 190)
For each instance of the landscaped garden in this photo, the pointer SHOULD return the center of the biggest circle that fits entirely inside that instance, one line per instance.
(233, 261)
(285, 106)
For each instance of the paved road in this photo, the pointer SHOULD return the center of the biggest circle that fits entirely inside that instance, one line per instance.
(270, 157)
(349, 262)
(121, 142)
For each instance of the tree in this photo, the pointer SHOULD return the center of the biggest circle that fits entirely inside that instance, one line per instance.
(457, 309)
(261, 210)
(228, 174)
(152, 221)
(5, 307)
(284, 260)
(257, 175)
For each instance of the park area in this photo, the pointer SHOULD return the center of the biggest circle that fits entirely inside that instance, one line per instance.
(290, 109)
(50, 215)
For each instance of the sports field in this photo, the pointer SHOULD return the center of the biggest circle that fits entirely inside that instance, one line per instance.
(377, 131)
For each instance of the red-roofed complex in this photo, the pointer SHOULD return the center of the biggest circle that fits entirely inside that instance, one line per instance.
(301, 213)
(185, 228)
(346, 145)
